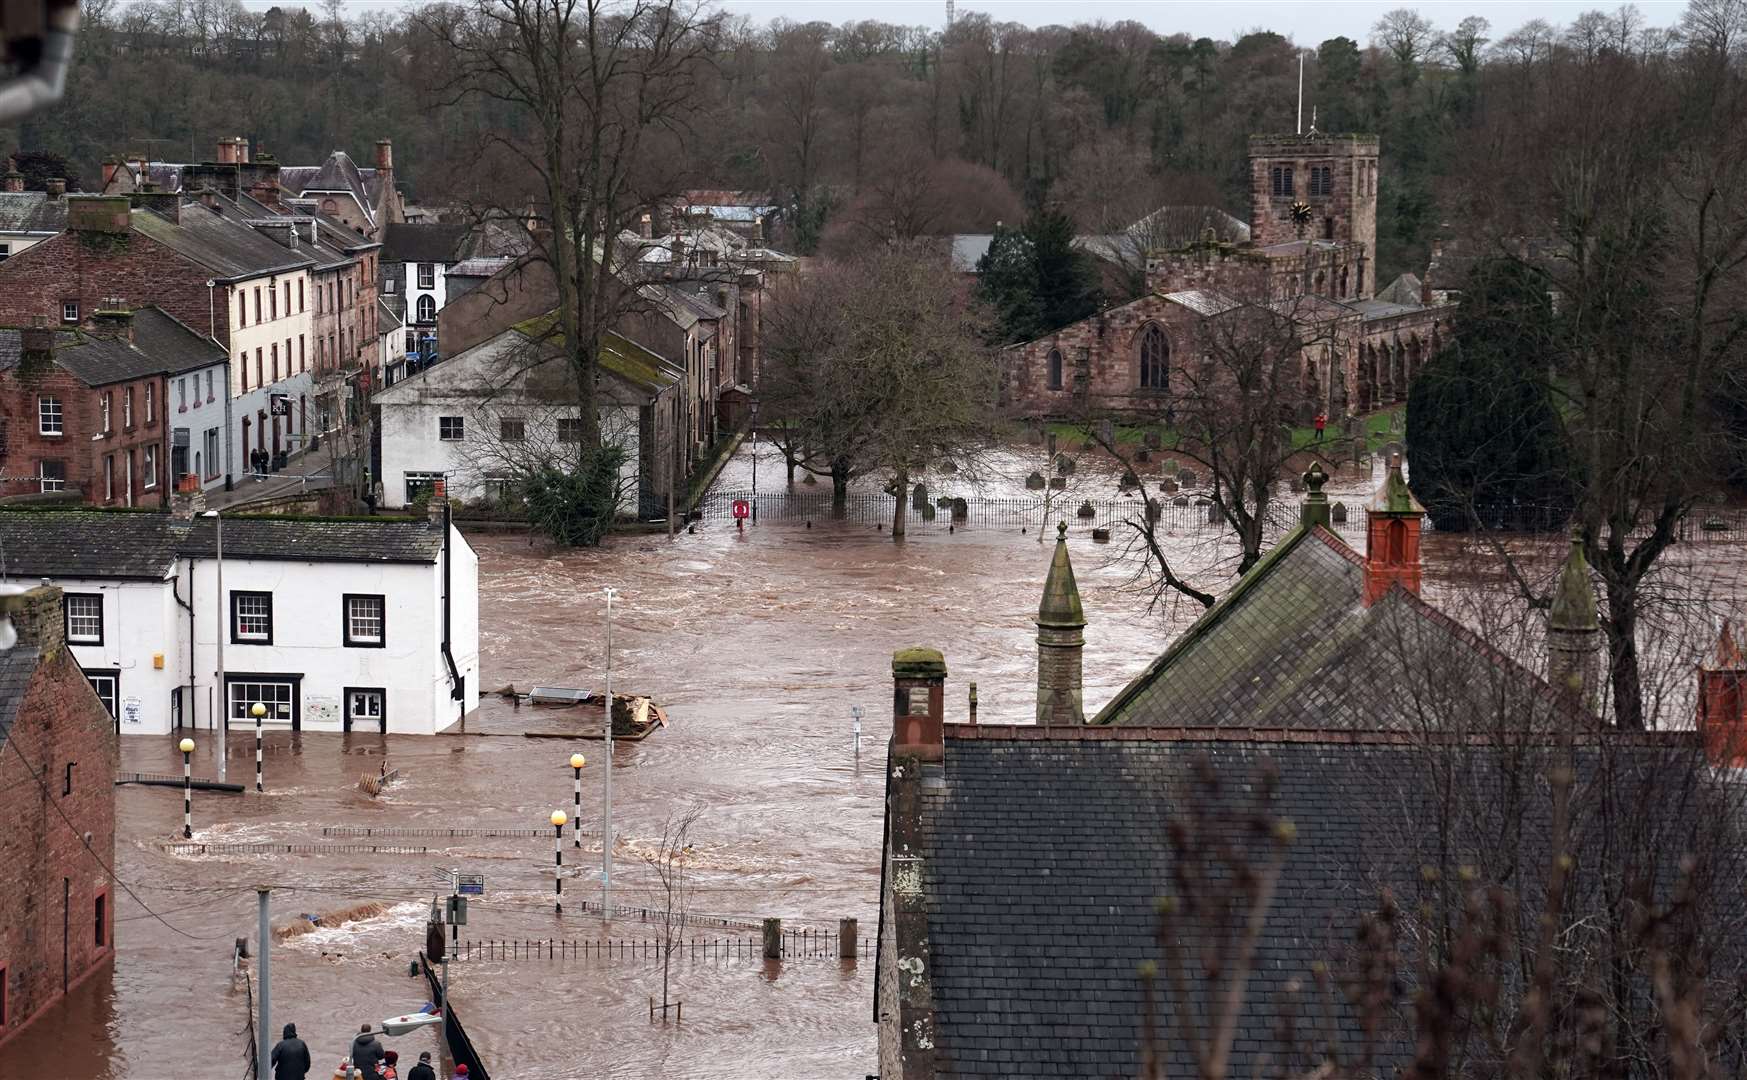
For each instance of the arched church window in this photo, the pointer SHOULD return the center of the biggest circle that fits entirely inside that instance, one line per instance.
(1055, 369)
(1155, 358)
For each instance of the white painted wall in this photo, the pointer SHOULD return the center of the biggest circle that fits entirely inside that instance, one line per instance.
(439, 291)
(144, 619)
(187, 407)
(17, 242)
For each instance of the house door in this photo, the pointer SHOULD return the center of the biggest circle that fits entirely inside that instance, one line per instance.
(364, 708)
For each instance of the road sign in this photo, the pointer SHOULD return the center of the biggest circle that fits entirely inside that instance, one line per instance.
(742, 509)
(470, 884)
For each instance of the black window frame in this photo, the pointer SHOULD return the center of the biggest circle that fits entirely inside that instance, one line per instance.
(451, 429)
(292, 678)
(67, 617)
(1155, 371)
(113, 675)
(568, 429)
(235, 639)
(346, 638)
(512, 429)
(346, 706)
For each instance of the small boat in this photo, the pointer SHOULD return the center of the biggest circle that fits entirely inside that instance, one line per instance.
(410, 1022)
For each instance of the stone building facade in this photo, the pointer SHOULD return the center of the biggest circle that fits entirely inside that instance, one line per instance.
(57, 794)
(1311, 254)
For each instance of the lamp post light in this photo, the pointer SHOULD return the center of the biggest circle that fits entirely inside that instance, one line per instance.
(558, 820)
(258, 710)
(187, 748)
(222, 719)
(855, 719)
(577, 761)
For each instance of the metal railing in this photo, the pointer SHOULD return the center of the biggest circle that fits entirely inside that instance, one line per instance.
(795, 945)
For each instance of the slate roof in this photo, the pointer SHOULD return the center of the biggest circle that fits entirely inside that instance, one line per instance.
(1291, 646)
(16, 667)
(143, 545)
(404, 242)
(1203, 301)
(161, 346)
(228, 248)
(31, 212)
(1044, 850)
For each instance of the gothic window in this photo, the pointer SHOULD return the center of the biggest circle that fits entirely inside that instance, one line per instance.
(1282, 178)
(1155, 358)
(1055, 369)
(1343, 283)
(1321, 180)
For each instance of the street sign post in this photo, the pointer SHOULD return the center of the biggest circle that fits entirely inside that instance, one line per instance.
(471, 885)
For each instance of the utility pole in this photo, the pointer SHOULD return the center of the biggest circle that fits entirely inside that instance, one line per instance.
(263, 1025)
(607, 813)
(221, 715)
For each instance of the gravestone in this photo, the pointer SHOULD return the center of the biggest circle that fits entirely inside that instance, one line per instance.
(927, 511)
(1168, 486)
(1143, 455)
(919, 496)
(1186, 477)
(1338, 513)
(1058, 483)
(1050, 442)
(1214, 517)
(1064, 465)
(943, 502)
(1086, 511)
(1107, 430)
(1154, 511)
(1129, 481)
(961, 510)
(1100, 536)
(949, 467)
(1152, 440)
(1034, 482)
(1181, 500)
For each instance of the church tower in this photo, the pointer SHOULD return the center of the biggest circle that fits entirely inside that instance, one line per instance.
(1573, 631)
(1061, 638)
(1317, 187)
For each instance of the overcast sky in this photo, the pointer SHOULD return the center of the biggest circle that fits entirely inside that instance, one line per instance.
(1307, 23)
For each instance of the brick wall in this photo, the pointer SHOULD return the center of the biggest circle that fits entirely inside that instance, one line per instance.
(49, 882)
(93, 267)
(1105, 351)
(26, 447)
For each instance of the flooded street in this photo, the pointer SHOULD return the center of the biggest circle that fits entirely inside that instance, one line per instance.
(758, 644)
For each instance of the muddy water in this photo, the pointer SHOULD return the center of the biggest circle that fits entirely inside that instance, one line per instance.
(758, 643)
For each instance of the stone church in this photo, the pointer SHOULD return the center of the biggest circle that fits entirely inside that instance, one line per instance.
(1311, 255)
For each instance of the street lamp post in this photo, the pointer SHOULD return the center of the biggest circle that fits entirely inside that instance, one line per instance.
(558, 820)
(221, 719)
(855, 720)
(577, 761)
(755, 462)
(187, 748)
(258, 710)
(607, 812)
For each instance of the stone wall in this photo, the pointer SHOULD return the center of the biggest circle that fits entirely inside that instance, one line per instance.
(49, 880)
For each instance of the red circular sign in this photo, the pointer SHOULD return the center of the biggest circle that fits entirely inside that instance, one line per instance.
(742, 508)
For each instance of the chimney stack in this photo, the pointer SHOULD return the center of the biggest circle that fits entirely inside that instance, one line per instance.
(227, 151)
(1722, 702)
(36, 344)
(438, 503)
(38, 618)
(1061, 639)
(1574, 631)
(1393, 521)
(12, 180)
(110, 165)
(187, 505)
(385, 156)
(758, 230)
(55, 186)
(918, 704)
(646, 227)
(113, 320)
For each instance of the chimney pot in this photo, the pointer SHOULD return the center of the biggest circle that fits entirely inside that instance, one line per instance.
(13, 180)
(919, 704)
(385, 155)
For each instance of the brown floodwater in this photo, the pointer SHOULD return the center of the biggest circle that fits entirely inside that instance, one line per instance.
(758, 644)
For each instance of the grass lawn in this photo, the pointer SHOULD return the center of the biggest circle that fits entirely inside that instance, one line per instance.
(1375, 425)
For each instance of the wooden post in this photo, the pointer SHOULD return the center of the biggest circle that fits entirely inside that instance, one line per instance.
(773, 939)
(846, 931)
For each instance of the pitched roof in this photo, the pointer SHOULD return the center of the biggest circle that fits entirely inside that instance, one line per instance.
(405, 242)
(31, 212)
(136, 545)
(161, 346)
(1292, 646)
(16, 667)
(226, 247)
(1044, 850)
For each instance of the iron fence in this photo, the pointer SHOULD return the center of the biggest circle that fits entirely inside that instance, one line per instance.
(186, 847)
(405, 832)
(795, 945)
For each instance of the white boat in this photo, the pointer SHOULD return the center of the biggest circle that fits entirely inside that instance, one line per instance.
(401, 1025)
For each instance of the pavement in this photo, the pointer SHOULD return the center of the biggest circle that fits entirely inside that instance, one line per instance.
(311, 470)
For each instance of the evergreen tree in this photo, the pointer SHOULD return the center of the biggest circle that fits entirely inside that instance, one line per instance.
(1035, 280)
(1483, 436)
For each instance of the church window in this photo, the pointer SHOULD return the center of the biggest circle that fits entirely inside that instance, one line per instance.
(1321, 180)
(1155, 358)
(1055, 369)
(1282, 180)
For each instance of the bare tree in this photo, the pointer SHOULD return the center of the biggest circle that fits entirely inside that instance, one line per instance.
(606, 93)
(671, 864)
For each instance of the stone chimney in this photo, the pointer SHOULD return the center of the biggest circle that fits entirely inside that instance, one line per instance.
(114, 320)
(227, 151)
(12, 180)
(1722, 702)
(438, 502)
(385, 158)
(1061, 639)
(100, 214)
(918, 704)
(36, 345)
(39, 620)
(1316, 509)
(1574, 631)
(1393, 521)
(187, 505)
(646, 227)
(55, 186)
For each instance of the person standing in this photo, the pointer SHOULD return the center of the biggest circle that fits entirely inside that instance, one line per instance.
(423, 1070)
(366, 1051)
(290, 1057)
(1321, 422)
